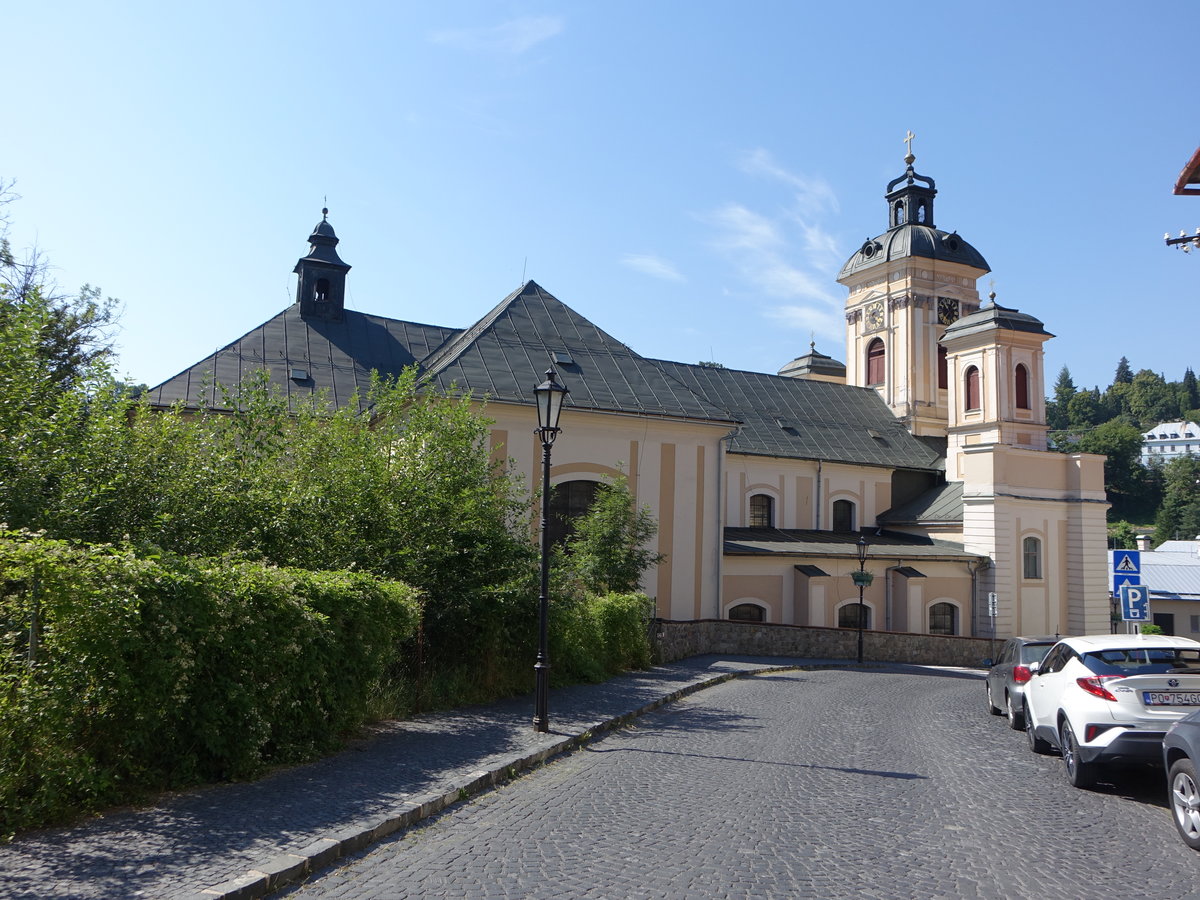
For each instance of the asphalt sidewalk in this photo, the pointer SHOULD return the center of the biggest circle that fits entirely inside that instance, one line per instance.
(238, 841)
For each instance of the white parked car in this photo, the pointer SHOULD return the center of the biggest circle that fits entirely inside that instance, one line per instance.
(1110, 698)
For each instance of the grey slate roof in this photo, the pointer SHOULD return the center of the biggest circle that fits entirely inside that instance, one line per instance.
(800, 419)
(336, 356)
(996, 316)
(943, 503)
(506, 353)
(886, 545)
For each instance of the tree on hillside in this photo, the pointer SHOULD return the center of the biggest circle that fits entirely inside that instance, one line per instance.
(1057, 410)
(1151, 399)
(1124, 373)
(1179, 517)
(1085, 410)
(1189, 394)
(1130, 487)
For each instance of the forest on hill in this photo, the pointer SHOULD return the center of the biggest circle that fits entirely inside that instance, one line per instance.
(1163, 498)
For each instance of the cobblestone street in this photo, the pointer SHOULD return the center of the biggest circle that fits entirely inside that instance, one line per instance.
(828, 783)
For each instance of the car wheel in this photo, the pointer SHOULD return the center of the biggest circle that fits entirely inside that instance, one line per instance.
(1079, 773)
(991, 705)
(1184, 797)
(1036, 744)
(1016, 720)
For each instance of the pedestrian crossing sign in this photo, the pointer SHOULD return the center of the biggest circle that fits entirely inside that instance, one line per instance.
(1127, 562)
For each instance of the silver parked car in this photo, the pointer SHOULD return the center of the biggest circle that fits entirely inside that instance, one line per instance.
(1181, 755)
(1006, 679)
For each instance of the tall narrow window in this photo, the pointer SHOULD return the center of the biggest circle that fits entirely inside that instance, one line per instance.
(943, 369)
(1022, 385)
(943, 618)
(876, 359)
(971, 388)
(321, 294)
(1031, 553)
(843, 515)
(762, 511)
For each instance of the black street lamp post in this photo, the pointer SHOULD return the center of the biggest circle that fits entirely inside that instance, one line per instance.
(549, 396)
(862, 578)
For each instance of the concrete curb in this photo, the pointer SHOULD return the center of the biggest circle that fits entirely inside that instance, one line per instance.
(288, 868)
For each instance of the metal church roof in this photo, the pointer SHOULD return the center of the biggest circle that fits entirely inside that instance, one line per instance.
(800, 419)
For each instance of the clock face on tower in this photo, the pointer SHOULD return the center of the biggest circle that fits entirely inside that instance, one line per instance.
(947, 311)
(873, 316)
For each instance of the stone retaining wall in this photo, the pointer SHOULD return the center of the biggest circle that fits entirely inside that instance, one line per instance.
(677, 640)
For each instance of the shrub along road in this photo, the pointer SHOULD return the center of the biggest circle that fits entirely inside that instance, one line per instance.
(891, 782)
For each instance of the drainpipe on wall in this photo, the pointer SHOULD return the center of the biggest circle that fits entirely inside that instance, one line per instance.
(722, 449)
(817, 500)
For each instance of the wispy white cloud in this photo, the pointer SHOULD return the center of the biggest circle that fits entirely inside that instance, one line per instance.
(651, 265)
(813, 196)
(787, 256)
(511, 38)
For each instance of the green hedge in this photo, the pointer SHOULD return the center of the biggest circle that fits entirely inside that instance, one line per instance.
(593, 637)
(153, 673)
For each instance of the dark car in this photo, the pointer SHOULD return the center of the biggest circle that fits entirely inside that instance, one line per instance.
(1181, 752)
(1006, 679)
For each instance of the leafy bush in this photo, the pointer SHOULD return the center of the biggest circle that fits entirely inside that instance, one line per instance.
(121, 674)
(593, 637)
(607, 550)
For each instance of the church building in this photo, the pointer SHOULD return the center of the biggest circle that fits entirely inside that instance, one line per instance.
(926, 451)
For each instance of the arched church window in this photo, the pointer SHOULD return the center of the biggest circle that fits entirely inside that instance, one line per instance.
(900, 212)
(1031, 556)
(848, 615)
(843, 515)
(971, 398)
(321, 293)
(569, 500)
(876, 359)
(943, 618)
(943, 368)
(762, 511)
(1022, 385)
(921, 214)
(747, 612)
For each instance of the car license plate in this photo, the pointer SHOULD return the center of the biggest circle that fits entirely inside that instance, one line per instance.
(1171, 698)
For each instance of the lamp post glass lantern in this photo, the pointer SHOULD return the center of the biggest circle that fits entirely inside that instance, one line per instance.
(549, 396)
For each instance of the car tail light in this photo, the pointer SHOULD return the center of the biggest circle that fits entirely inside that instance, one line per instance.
(1094, 685)
(1091, 732)
(1021, 674)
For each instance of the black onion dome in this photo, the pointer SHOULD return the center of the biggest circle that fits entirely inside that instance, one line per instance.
(911, 231)
(914, 240)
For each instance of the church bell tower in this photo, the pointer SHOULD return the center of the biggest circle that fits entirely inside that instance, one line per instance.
(906, 287)
(321, 288)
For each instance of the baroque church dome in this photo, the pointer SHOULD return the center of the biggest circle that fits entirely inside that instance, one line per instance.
(911, 231)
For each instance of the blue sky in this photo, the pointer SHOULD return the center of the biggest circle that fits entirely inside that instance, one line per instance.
(688, 175)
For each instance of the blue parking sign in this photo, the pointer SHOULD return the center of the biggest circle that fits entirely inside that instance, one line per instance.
(1135, 603)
